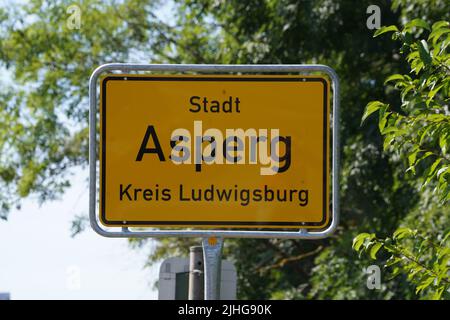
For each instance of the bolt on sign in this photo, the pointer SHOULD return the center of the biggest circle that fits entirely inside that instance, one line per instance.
(214, 151)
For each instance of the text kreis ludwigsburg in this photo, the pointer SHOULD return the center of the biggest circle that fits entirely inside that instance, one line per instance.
(213, 146)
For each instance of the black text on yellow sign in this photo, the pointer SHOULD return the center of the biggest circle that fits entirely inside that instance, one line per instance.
(214, 151)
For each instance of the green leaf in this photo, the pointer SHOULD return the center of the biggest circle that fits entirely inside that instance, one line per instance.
(395, 272)
(424, 284)
(412, 56)
(373, 251)
(438, 293)
(385, 29)
(371, 108)
(436, 34)
(433, 92)
(388, 141)
(413, 273)
(394, 77)
(359, 240)
(432, 171)
(434, 166)
(401, 233)
(424, 52)
(436, 117)
(392, 261)
(424, 156)
(440, 24)
(442, 170)
(443, 142)
(447, 236)
(406, 90)
(413, 156)
(424, 133)
(417, 23)
(382, 121)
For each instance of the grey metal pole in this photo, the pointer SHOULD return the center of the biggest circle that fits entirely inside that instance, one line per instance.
(196, 273)
(212, 256)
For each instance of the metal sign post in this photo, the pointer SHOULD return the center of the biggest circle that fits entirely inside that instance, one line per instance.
(212, 257)
(196, 273)
(141, 104)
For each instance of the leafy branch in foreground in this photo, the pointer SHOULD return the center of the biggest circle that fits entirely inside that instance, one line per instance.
(418, 131)
(420, 126)
(425, 262)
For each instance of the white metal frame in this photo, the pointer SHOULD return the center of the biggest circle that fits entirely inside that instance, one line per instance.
(223, 69)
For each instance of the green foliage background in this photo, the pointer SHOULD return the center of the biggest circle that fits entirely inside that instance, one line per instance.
(44, 115)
